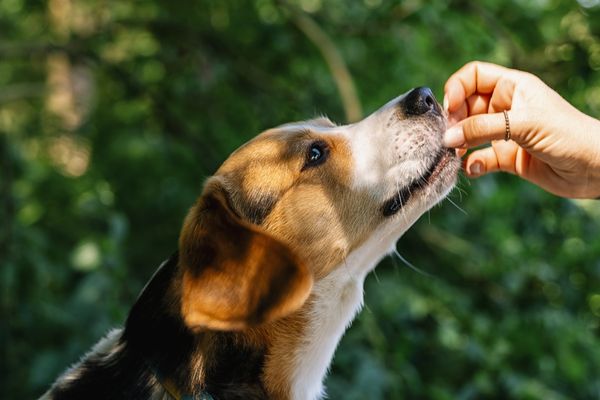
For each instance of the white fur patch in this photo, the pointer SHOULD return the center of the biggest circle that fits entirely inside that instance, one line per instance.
(386, 157)
(337, 299)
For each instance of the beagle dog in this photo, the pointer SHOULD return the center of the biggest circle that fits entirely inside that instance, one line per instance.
(271, 261)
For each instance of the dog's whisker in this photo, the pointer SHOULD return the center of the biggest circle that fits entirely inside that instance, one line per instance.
(399, 194)
(376, 276)
(457, 206)
(396, 265)
(403, 212)
(460, 193)
(412, 266)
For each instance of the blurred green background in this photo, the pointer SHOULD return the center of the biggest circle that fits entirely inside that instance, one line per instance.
(112, 113)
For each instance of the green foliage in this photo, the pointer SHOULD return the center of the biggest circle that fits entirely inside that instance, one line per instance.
(113, 113)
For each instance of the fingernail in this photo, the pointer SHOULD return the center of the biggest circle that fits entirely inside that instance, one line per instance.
(445, 102)
(454, 137)
(476, 168)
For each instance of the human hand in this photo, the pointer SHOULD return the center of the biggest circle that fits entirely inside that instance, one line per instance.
(553, 144)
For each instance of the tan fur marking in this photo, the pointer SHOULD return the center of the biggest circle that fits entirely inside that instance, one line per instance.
(234, 275)
(323, 214)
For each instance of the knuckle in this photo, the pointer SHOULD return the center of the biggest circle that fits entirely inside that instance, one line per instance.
(473, 65)
(524, 125)
(473, 128)
(470, 66)
(529, 79)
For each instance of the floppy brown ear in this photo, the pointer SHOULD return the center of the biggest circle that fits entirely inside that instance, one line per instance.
(234, 275)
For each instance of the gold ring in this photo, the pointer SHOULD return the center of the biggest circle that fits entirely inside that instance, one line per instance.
(507, 134)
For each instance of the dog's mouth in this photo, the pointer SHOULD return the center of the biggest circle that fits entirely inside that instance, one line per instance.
(396, 202)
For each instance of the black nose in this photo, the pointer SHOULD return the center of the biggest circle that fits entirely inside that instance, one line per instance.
(419, 101)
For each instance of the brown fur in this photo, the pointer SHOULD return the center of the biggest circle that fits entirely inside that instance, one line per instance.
(314, 213)
(241, 305)
(232, 284)
(308, 203)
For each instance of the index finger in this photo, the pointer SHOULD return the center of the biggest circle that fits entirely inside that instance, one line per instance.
(475, 77)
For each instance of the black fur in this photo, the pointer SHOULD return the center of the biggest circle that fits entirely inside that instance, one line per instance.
(259, 208)
(123, 377)
(156, 345)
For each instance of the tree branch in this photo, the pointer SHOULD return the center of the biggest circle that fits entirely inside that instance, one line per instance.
(334, 60)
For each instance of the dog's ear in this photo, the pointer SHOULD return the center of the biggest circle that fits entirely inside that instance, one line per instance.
(234, 275)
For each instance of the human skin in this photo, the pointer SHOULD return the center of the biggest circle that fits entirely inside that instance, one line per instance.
(553, 145)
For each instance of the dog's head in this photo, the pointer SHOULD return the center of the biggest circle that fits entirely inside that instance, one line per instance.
(291, 205)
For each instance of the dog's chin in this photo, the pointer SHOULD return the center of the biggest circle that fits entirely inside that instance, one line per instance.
(442, 178)
(429, 188)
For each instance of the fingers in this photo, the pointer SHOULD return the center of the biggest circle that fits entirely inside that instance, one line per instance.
(458, 115)
(478, 104)
(475, 104)
(502, 96)
(481, 162)
(460, 152)
(501, 156)
(484, 128)
(509, 157)
(473, 78)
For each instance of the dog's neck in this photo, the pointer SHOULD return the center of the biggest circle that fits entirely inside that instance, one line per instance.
(335, 301)
(287, 359)
(299, 363)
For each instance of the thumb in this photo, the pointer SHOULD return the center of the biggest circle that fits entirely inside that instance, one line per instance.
(483, 128)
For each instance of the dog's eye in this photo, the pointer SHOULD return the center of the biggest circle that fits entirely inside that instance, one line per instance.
(316, 155)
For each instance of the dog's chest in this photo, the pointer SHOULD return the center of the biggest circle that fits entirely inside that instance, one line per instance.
(336, 300)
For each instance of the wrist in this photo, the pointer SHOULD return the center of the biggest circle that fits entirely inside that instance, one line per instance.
(584, 155)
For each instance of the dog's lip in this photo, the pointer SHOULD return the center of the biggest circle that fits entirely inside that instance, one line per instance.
(446, 155)
(396, 202)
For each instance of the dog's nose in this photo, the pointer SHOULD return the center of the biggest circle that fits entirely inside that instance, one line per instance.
(419, 101)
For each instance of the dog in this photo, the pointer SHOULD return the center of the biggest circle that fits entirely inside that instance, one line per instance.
(271, 261)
